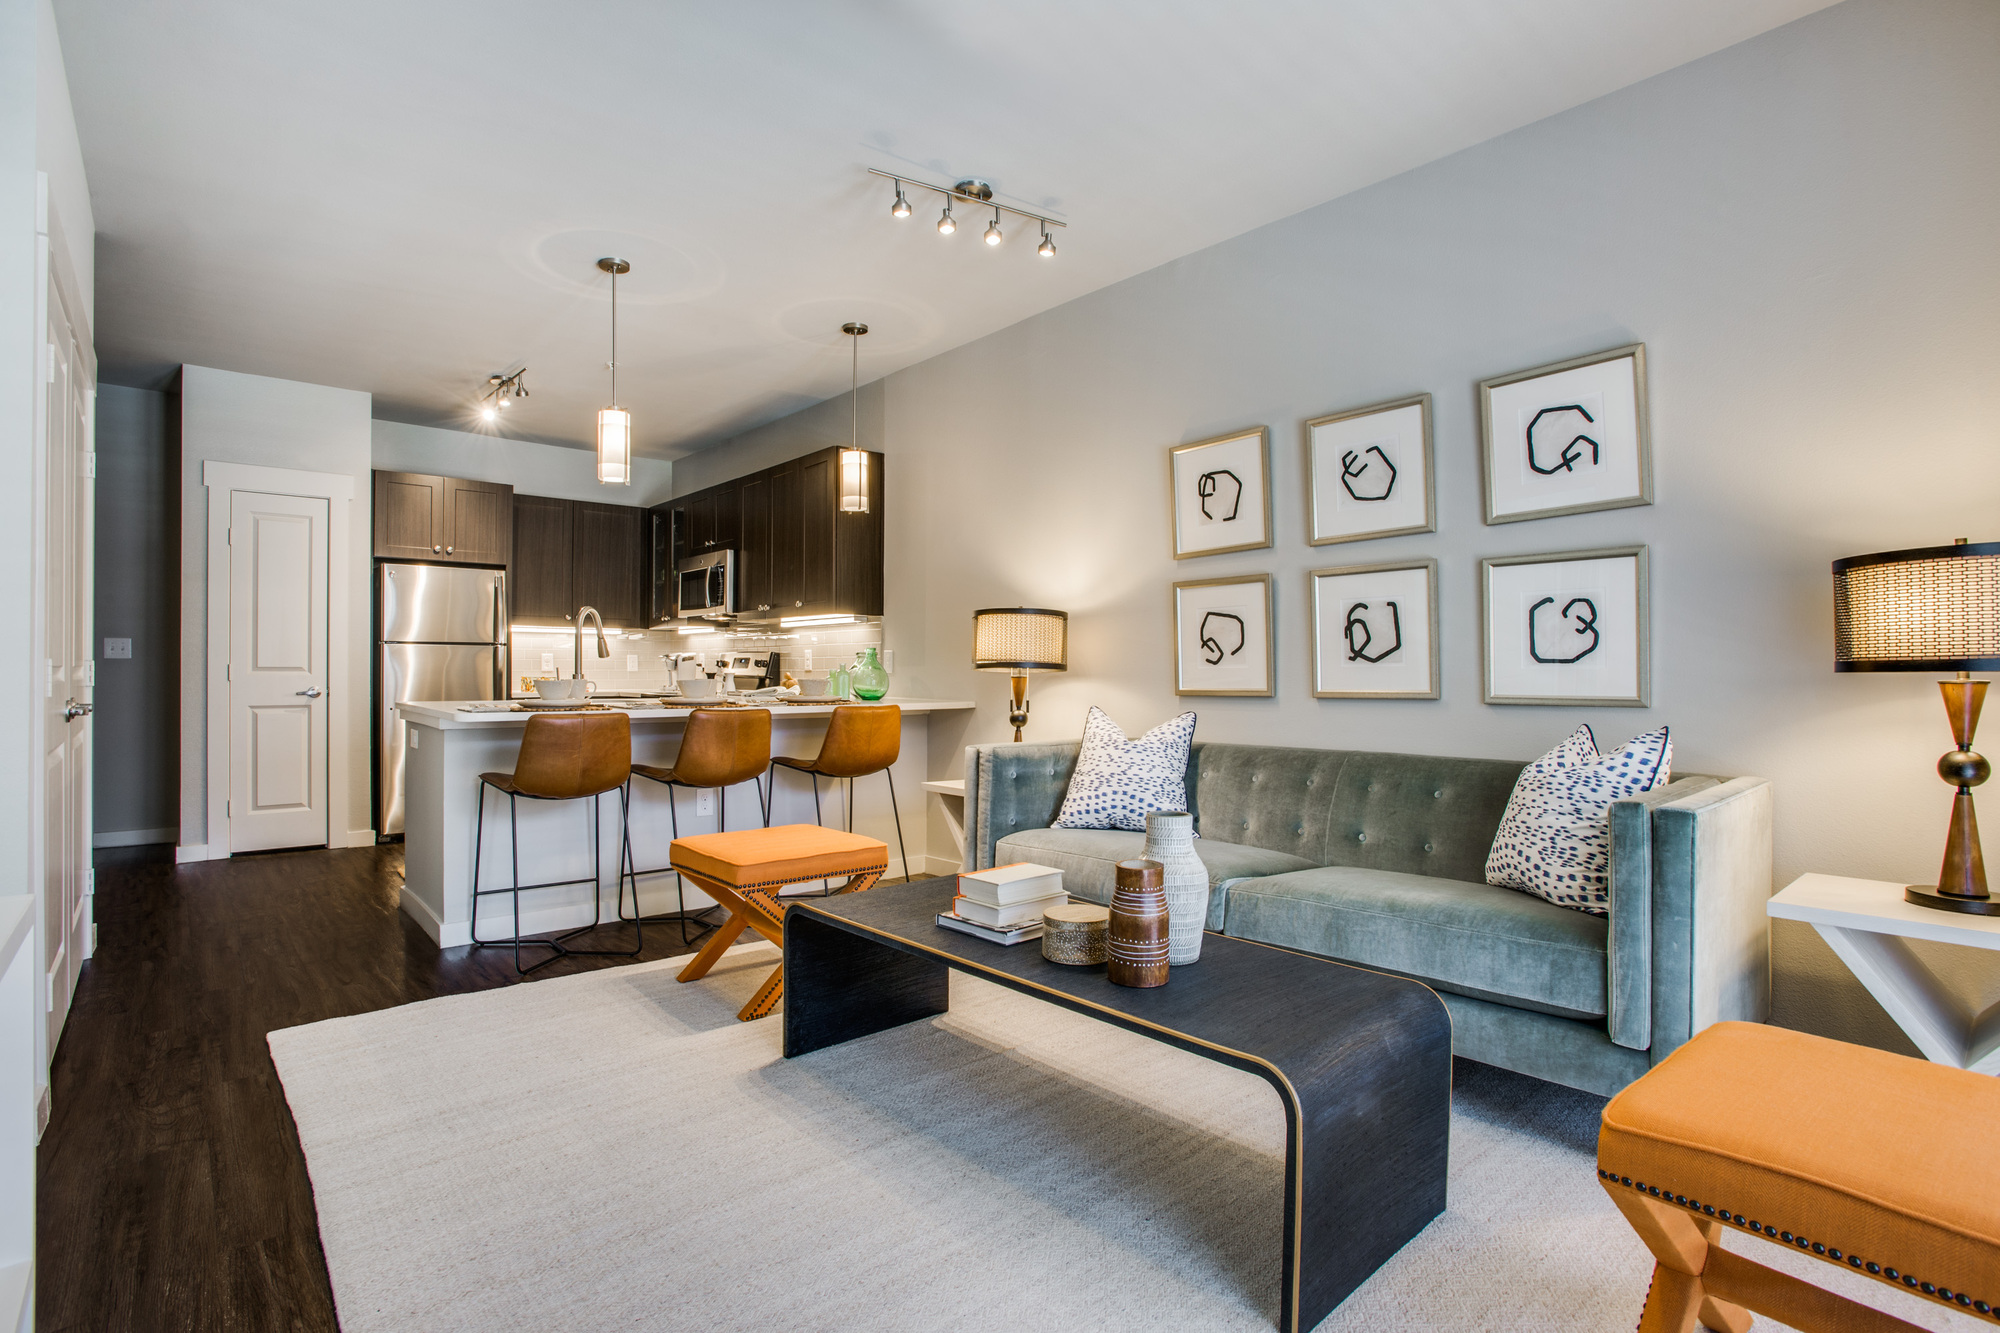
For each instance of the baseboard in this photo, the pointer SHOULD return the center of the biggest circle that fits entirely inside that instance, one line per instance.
(199, 852)
(360, 837)
(135, 837)
(420, 912)
(940, 865)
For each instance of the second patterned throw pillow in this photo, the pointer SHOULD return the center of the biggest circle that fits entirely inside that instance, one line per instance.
(1118, 781)
(1555, 838)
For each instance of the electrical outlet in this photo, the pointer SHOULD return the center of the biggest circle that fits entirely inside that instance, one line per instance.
(631, 661)
(889, 660)
(117, 647)
(704, 801)
(414, 735)
(548, 661)
(809, 659)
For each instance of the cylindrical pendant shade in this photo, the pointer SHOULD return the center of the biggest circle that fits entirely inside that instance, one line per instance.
(1934, 608)
(853, 481)
(614, 447)
(1020, 637)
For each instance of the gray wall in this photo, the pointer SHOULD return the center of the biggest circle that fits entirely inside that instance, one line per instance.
(135, 768)
(1799, 228)
(233, 418)
(530, 468)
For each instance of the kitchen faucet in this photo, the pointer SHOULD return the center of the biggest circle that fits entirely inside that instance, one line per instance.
(603, 648)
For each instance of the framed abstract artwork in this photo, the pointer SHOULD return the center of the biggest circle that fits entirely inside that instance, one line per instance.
(1368, 472)
(1567, 438)
(1569, 628)
(1375, 631)
(1221, 494)
(1223, 641)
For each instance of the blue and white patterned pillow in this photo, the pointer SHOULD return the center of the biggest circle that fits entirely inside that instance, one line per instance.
(1118, 782)
(1555, 839)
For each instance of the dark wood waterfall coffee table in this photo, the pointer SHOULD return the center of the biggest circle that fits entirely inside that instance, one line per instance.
(1361, 1060)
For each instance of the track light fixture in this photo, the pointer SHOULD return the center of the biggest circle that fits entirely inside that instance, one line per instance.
(971, 191)
(500, 389)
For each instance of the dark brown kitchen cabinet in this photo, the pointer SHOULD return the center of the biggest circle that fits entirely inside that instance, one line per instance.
(607, 560)
(572, 553)
(797, 552)
(442, 519)
(539, 579)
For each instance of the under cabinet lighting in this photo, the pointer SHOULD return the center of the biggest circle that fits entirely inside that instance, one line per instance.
(694, 629)
(790, 622)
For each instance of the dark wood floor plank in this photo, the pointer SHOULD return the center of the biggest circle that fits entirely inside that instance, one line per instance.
(173, 1194)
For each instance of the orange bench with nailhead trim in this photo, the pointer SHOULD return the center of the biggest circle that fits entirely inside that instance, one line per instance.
(1873, 1161)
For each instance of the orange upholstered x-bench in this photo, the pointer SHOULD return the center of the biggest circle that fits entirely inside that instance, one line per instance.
(746, 871)
(1872, 1161)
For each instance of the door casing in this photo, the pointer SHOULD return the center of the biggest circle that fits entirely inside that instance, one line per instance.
(346, 703)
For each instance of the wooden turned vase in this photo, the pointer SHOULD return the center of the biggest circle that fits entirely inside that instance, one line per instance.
(1137, 938)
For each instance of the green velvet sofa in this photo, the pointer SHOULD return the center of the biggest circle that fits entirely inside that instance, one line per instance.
(1379, 859)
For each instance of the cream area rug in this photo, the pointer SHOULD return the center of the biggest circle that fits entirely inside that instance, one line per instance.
(615, 1151)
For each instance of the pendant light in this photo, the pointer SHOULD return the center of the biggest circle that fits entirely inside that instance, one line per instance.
(614, 424)
(854, 459)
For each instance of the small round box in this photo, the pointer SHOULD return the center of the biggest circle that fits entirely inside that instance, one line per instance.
(1076, 934)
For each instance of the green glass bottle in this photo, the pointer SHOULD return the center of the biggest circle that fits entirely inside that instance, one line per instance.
(870, 681)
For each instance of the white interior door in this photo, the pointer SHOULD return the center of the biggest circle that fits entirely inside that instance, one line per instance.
(66, 624)
(277, 671)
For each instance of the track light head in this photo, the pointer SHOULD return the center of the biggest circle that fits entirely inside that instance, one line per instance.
(902, 207)
(993, 229)
(489, 413)
(1047, 249)
(945, 224)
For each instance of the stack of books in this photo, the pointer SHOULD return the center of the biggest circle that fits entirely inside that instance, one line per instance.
(1004, 904)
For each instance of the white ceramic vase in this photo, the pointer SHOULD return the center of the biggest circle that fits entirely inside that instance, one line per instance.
(1170, 841)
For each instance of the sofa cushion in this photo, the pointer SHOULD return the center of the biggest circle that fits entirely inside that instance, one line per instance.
(1473, 939)
(1555, 838)
(1118, 781)
(1088, 859)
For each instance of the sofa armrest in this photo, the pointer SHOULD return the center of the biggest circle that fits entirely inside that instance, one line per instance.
(1012, 787)
(1629, 950)
(1711, 938)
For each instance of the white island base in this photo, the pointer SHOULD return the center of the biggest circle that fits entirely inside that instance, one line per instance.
(449, 749)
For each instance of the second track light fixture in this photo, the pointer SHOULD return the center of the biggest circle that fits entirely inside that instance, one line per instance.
(500, 388)
(969, 191)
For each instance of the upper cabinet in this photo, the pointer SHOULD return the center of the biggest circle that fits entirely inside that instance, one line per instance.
(797, 554)
(443, 519)
(572, 553)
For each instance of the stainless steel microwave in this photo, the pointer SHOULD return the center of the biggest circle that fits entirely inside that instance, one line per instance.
(707, 586)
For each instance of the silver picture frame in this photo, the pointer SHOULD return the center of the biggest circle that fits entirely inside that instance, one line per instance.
(1428, 621)
(1185, 602)
(1494, 629)
(1322, 528)
(1635, 434)
(1185, 494)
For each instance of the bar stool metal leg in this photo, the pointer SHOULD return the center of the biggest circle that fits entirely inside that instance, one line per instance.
(557, 943)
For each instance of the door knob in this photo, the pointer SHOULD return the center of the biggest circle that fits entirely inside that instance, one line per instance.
(312, 693)
(72, 710)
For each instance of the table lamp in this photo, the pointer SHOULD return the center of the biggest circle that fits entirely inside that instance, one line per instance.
(1020, 639)
(1935, 608)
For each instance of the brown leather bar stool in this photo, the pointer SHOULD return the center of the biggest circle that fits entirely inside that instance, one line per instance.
(720, 748)
(860, 740)
(568, 757)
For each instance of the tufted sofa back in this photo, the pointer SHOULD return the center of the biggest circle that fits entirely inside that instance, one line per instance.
(1422, 814)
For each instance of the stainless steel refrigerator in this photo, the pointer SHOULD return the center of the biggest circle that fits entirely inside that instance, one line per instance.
(442, 634)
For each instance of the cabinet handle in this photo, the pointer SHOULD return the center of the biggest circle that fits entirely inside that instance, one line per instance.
(448, 550)
(798, 603)
(436, 549)
(568, 616)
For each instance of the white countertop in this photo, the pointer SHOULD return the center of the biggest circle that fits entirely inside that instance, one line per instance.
(444, 714)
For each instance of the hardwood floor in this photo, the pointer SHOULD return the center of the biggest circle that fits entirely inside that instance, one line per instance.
(172, 1191)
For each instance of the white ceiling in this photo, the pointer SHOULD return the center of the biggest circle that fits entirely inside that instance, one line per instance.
(405, 196)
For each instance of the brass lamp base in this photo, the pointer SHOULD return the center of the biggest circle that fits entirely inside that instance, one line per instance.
(1924, 895)
(1961, 885)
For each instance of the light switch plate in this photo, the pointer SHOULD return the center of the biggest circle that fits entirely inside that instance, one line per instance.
(414, 734)
(889, 660)
(548, 661)
(631, 661)
(117, 647)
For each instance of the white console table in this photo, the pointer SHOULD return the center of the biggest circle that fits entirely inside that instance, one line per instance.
(951, 794)
(1869, 925)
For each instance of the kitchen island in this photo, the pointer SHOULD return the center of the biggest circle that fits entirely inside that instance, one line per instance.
(450, 747)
